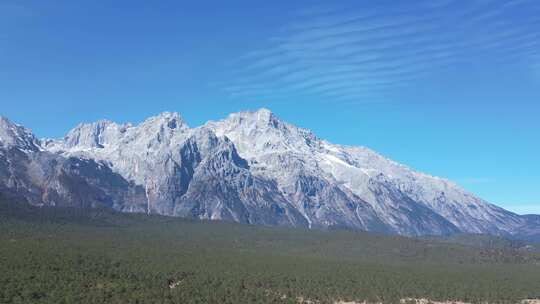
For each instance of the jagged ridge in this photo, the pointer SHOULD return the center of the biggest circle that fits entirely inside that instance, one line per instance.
(252, 167)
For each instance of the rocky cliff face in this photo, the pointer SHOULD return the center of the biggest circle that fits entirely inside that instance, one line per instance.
(32, 174)
(250, 167)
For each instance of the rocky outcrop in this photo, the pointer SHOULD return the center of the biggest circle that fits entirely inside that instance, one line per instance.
(250, 167)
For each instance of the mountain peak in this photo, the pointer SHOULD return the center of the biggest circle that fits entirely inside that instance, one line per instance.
(5, 122)
(291, 177)
(261, 118)
(173, 120)
(14, 135)
(264, 112)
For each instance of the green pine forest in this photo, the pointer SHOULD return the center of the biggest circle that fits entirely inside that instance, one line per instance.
(54, 255)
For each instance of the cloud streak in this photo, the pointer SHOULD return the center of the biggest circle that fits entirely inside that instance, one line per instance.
(354, 53)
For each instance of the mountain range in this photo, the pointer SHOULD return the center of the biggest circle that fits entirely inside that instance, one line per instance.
(250, 167)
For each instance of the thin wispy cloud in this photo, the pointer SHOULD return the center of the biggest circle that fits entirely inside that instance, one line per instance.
(352, 53)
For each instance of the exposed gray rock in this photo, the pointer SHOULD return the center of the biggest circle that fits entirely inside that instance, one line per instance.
(28, 173)
(250, 167)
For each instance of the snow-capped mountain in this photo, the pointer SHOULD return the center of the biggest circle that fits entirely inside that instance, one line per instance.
(253, 168)
(30, 173)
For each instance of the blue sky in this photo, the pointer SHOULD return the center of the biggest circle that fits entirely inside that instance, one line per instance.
(451, 88)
